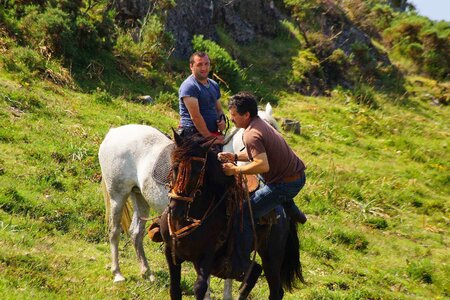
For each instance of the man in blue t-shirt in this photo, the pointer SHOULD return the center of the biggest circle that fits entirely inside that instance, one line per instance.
(200, 108)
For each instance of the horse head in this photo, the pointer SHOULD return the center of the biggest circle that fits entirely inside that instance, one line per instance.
(267, 116)
(196, 173)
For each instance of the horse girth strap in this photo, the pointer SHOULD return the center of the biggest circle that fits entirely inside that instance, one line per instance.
(178, 197)
(182, 232)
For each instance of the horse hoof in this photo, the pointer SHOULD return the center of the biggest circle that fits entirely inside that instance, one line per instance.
(119, 278)
(148, 275)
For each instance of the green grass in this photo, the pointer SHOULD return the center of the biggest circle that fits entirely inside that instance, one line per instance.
(377, 191)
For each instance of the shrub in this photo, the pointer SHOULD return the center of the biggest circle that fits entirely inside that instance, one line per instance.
(362, 56)
(421, 270)
(223, 66)
(381, 15)
(145, 48)
(338, 57)
(168, 98)
(24, 60)
(101, 96)
(378, 223)
(304, 64)
(49, 30)
(422, 42)
(351, 239)
(22, 99)
(363, 94)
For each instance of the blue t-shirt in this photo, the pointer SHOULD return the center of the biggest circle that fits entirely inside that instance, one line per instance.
(207, 97)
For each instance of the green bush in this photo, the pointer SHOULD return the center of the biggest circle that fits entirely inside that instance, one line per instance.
(23, 99)
(363, 94)
(421, 270)
(304, 64)
(49, 30)
(147, 48)
(338, 57)
(223, 66)
(353, 240)
(378, 223)
(101, 96)
(23, 60)
(362, 56)
(423, 42)
(381, 15)
(168, 98)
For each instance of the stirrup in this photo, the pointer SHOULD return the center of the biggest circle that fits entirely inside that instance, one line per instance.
(154, 233)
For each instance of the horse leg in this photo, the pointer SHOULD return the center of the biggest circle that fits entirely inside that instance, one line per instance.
(208, 291)
(117, 203)
(272, 262)
(175, 275)
(272, 270)
(228, 289)
(251, 281)
(203, 268)
(137, 232)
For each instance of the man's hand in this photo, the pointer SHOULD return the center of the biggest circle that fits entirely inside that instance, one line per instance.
(220, 139)
(230, 169)
(221, 125)
(225, 157)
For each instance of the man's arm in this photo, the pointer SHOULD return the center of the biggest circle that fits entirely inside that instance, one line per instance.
(260, 164)
(232, 157)
(194, 111)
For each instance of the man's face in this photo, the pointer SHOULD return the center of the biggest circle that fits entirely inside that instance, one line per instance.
(200, 68)
(240, 121)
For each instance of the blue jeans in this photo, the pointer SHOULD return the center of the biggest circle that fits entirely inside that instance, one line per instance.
(263, 201)
(271, 195)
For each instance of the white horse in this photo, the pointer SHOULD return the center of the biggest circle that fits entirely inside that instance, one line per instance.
(127, 156)
(236, 144)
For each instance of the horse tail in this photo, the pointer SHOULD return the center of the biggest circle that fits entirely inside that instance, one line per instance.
(291, 268)
(125, 220)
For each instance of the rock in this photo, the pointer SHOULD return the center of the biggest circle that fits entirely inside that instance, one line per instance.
(243, 20)
(144, 99)
(291, 125)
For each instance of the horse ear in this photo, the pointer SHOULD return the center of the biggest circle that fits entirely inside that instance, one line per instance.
(178, 139)
(269, 109)
(208, 143)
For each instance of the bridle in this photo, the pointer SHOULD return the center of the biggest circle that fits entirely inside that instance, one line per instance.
(182, 179)
(177, 187)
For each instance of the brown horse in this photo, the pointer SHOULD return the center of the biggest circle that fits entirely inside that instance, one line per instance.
(196, 228)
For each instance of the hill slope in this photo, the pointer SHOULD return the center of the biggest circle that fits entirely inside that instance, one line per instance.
(377, 192)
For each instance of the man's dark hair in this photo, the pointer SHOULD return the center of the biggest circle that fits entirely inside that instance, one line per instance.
(244, 102)
(199, 54)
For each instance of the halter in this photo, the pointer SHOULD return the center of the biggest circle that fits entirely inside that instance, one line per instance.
(182, 179)
(178, 187)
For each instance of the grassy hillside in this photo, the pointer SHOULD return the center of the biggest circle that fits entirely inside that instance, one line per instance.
(377, 196)
(377, 191)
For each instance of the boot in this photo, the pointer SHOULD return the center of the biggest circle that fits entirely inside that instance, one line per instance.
(294, 212)
(154, 233)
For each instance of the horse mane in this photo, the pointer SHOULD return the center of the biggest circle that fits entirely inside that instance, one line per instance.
(188, 148)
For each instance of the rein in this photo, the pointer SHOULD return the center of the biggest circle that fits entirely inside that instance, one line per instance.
(230, 136)
(186, 230)
(180, 184)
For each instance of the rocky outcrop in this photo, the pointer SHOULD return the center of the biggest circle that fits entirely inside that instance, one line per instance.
(188, 18)
(243, 20)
